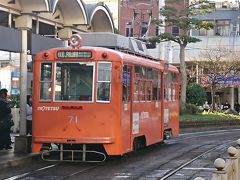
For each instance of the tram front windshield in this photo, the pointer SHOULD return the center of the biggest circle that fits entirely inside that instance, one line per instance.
(74, 82)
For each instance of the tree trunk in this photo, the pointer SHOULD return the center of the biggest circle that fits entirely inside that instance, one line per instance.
(213, 92)
(183, 76)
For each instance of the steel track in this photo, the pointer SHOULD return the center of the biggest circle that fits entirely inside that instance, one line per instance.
(174, 171)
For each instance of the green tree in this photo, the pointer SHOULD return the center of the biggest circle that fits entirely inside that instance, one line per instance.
(181, 14)
(14, 100)
(196, 94)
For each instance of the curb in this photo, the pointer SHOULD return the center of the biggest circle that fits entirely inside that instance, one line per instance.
(220, 123)
(11, 160)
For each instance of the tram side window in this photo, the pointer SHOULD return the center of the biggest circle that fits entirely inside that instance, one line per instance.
(126, 84)
(142, 94)
(170, 87)
(143, 84)
(156, 85)
(166, 92)
(137, 82)
(104, 81)
(46, 82)
(174, 85)
(149, 84)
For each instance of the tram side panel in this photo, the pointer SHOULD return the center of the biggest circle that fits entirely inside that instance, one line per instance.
(126, 109)
(118, 126)
(146, 114)
(171, 104)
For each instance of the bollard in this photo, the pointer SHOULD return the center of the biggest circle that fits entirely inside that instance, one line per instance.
(238, 156)
(238, 142)
(232, 151)
(220, 174)
(233, 170)
(219, 164)
(199, 178)
(229, 169)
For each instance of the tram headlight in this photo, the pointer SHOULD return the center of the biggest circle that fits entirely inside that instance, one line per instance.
(75, 40)
(104, 55)
(45, 55)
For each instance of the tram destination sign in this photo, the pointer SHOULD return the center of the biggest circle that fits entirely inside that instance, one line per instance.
(66, 54)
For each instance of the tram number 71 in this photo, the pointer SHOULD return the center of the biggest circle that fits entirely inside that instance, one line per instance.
(71, 119)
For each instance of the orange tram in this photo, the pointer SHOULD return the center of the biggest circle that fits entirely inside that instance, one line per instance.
(101, 101)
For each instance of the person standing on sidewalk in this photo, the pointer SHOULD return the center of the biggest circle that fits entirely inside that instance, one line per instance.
(5, 114)
(29, 114)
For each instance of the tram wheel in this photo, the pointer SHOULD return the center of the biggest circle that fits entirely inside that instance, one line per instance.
(139, 143)
(136, 144)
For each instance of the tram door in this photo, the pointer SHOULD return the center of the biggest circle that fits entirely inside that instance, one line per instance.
(127, 106)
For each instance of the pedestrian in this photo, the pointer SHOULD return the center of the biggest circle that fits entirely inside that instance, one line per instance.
(206, 106)
(5, 116)
(226, 106)
(29, 114)
(237, 107)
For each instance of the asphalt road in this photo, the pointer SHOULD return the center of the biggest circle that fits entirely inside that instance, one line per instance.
(151, 163)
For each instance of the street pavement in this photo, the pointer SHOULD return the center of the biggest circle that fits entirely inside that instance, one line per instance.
(9, 159)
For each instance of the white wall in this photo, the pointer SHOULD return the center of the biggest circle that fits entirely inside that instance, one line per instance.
(5, 78)
(195, 49)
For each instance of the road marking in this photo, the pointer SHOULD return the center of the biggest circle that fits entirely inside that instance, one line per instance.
(25, 174)
(211, 169)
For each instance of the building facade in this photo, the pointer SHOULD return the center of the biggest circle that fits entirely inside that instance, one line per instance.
(225, 34)
(39, 25)
(136, 17)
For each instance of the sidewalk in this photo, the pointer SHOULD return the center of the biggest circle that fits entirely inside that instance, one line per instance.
(9, 159)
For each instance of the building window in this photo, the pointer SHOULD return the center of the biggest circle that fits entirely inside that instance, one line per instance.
(129, 32)
(3, 18)
(46, 30)
(157, 31)
(129, 29)
(175, 31)
(144, 28)
(222, 27)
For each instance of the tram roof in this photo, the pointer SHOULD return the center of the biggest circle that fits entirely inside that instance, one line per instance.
(115, 41)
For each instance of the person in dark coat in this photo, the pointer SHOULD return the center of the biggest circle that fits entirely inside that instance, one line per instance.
(5, 114)
(226, 106)
(237, 106)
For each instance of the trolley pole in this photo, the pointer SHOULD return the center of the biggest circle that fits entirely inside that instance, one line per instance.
(23, 142)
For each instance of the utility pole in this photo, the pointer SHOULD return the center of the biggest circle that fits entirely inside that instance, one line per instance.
(162, 30)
